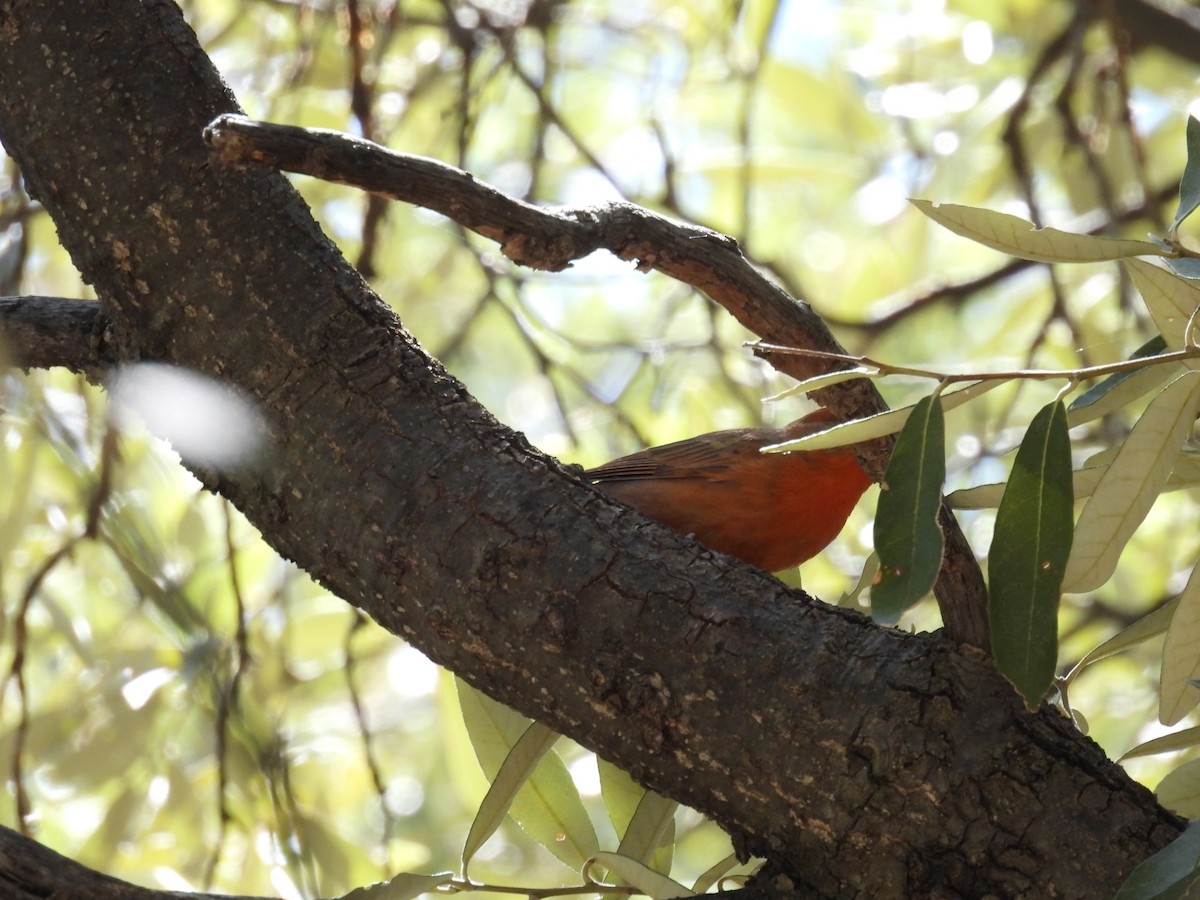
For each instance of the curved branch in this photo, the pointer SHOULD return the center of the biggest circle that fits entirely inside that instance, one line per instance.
(807, 730)
(30, 871)
(546, 238)
(552, 238)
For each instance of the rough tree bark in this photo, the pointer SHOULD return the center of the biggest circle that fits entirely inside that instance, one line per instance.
(865, 762)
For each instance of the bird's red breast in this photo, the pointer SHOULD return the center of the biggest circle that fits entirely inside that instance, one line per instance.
(774, 510)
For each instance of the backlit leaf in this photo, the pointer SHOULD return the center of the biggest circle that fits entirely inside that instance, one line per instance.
(623, 798)
(1168, 743)
(988, 496)
(516, 770)
(549, 809)
(620, 793)
(1148, 626)
(1186, 471)
(649, 827)
(879, 425)
(405, 886)
(1121, 388)
(1179, 789)
(651, 883)
(1017, 237)
(1170, 300)
(1029, 551)
(1131, 484)
(850, 599)
(907, 537)
(1181, 656)
(816, 382)
(714, 874)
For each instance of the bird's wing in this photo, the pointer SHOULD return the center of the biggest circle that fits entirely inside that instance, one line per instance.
(690, 458)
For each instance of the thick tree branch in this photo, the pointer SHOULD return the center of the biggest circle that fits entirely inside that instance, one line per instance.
(868, 762)
(1171, 25)
(29, 871)
(552, 238)
(40, 332)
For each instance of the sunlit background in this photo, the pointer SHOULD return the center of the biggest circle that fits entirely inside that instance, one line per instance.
(133, 662)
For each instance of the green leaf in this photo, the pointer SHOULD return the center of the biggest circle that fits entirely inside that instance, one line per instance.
(1148, 626)
(714, 874)
(1020, 238)
(828, 379)
(1131, 484)
(549, 809)
(1168, 743)
(1184, 266)
(1170, 300)
(988, 496)
(650, 826)
(1168, 872)
(651, 883)
(1186, 471)
(631, 816)
(1189, 185)
(620, 793)
(1104, 397)
(907, 537)
(1029, 551)
(1179, 789)
(881, 424)
(850, 599)
(516, 770)
(1181, 656)
(405, 886)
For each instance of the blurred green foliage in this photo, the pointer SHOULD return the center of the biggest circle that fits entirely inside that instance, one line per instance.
(799, 128)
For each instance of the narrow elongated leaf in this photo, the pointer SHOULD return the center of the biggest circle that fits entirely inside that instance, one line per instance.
(406, 886)
(492, 727)
(642, 877)
(1137, 385)
(1030, 546)
(1171, 869)
(1020, 238)
(1179, 789)
(1170, 300)
(1168, 743)
(879, 425)
(1120, 388)
(1189, 185)
(620, 793)
(623, 798)
(988, 496)
(714, 874)
(1186, 471)
(1131, 484)
(816, 382)
(850, 599)
(907, 537)
(1184, 266)
(516, 770)
(1181, 656)
(549, 809)
(1148, 626)
(653, 820)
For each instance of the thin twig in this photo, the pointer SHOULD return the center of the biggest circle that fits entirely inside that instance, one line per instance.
(1081, 374)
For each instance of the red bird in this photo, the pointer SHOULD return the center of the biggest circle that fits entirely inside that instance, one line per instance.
(774, 510)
